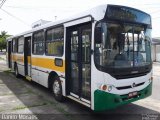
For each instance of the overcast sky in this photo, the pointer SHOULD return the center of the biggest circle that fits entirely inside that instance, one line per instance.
(16, 16)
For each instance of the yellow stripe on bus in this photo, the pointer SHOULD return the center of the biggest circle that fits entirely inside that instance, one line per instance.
(47, 63)
(18, 58)
(40, 62)
(29, 59)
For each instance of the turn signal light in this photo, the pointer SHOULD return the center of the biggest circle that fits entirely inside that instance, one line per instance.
(104, 87)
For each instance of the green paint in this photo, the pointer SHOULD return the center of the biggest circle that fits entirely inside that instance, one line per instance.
(104, 100)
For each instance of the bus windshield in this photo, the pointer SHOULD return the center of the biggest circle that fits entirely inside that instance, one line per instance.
(124, 45)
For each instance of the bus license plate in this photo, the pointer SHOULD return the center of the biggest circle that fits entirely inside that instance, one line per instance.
(130, 95)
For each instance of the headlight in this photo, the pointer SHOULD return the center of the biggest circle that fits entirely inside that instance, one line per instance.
(109, 88)
(106, 87)
(103, 87)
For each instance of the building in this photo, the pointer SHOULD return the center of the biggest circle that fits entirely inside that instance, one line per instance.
(156, 49)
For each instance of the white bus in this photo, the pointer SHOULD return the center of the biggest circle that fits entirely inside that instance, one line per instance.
(100, 58)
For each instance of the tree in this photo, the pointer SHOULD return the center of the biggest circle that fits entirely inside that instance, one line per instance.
(3, 42)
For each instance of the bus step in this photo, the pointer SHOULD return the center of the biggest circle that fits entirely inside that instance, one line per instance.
(80, 101)
(28, 78)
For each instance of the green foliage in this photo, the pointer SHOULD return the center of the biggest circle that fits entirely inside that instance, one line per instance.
(3, 42)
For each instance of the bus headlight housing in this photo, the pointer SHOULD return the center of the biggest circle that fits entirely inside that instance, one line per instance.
(109, 88)
(106, 87)
(103, 87)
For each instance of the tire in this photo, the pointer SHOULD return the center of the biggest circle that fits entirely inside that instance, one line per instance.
(57, 89)
(16, 72)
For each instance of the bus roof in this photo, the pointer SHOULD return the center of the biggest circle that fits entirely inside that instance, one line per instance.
(96, 13)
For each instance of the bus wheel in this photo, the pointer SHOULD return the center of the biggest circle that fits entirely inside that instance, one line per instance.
(57, 89)
(16, 72)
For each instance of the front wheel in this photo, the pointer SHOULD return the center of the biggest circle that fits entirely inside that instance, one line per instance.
(57, 89)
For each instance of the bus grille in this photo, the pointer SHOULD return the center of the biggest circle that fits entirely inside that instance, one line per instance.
(128, 87)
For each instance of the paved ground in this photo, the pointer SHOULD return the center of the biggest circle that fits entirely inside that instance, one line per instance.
(156, 83)
(19, 96)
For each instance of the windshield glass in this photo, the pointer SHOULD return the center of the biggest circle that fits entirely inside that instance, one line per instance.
(122, 45)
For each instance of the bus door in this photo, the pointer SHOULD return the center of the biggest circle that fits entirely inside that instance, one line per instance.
(9, 54)
(78, 56)
(27, 56)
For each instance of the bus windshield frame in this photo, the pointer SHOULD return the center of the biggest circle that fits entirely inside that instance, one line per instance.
(123, 48)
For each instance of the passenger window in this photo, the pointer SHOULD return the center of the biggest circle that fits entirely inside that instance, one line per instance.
(14, 43)
(38, 42)
(55, 41)
(20, 45)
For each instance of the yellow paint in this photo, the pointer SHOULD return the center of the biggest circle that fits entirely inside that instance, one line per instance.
(13, 57)
(18, 58)
(47, 63)
(40, 62)
(29, 59)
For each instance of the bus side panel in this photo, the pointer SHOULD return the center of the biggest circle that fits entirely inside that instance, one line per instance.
(34, 74)
(20, 63)
(13, 61)
(41, 67)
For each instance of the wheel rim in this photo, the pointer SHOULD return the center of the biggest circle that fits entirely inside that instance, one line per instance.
(56, 88)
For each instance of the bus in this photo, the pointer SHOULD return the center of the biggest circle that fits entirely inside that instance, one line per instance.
(100, 58)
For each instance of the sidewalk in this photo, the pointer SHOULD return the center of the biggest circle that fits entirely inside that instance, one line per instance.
(3, 64)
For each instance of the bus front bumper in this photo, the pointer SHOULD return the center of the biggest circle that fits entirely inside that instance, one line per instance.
(106, 101)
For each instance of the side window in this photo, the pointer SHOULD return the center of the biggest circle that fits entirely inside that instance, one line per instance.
(29, 47)
(14, 45)
(55, 41)
(20, 45)
(38, 42)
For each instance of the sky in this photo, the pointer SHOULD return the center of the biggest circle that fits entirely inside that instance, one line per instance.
(16, 16)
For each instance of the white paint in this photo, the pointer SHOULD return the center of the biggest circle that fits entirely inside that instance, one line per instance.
(79, 21)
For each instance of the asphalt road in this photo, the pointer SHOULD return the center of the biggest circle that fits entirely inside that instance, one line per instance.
(19, 96)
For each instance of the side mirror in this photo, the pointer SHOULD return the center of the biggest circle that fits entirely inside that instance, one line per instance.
(98, 35)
